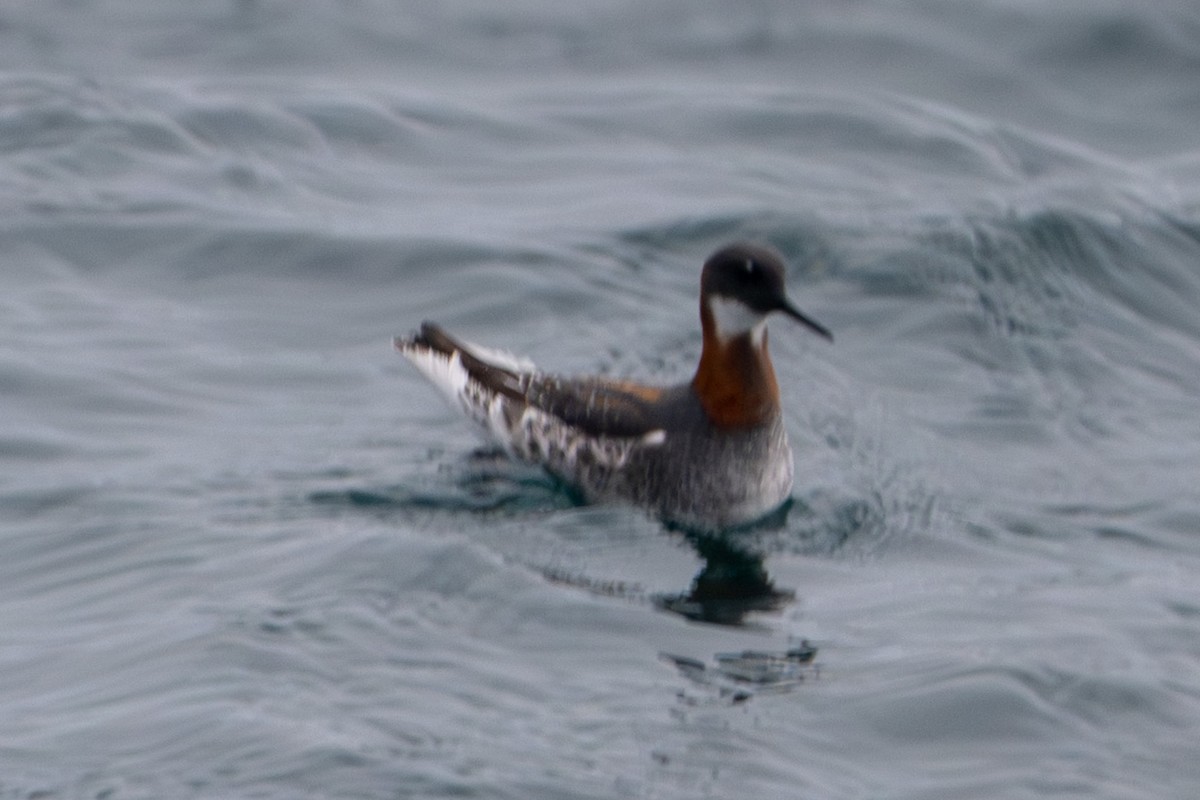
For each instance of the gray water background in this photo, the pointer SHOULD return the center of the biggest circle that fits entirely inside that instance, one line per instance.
(246, 552)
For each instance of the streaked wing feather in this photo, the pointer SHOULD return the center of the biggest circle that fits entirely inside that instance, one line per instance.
(596, 407)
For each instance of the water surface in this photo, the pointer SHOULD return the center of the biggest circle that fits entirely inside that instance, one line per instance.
(245, 551)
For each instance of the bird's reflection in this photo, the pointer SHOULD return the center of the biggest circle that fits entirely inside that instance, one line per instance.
(733, 580)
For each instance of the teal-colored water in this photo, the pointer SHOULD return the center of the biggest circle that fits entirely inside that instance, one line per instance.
(246, 552)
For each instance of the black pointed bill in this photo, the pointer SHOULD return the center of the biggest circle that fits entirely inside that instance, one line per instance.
(789, 308)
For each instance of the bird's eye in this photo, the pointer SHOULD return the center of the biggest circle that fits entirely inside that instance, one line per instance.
(751, 266)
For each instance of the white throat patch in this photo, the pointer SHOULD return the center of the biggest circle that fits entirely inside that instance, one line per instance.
(734, 318)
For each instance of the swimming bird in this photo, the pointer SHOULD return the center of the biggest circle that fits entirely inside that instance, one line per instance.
(705, 455)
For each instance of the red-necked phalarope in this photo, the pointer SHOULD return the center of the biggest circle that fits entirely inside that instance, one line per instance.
(708, 454)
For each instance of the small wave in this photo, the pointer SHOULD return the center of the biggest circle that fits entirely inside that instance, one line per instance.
(487, 484)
